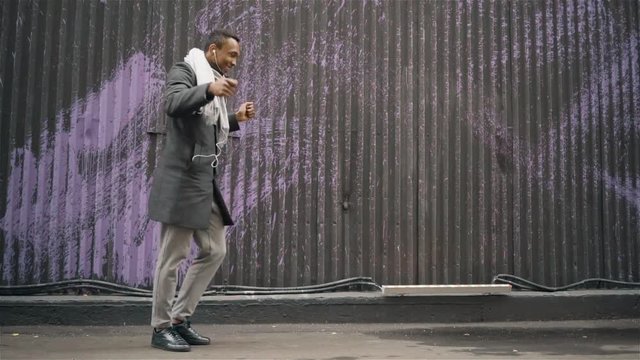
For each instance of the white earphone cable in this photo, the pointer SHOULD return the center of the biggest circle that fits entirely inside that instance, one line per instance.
(219, 144)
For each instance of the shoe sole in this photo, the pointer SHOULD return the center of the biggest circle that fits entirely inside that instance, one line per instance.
(199, 344)
(169, 349)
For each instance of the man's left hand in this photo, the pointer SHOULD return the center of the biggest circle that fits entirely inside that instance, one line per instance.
(246, 112)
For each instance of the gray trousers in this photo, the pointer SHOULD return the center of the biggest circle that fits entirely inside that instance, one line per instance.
(175, 245)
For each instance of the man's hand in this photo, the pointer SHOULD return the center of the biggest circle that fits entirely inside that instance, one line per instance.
(245, 112)
(222, 87)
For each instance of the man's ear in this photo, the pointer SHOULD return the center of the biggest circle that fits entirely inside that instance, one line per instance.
(212, 48)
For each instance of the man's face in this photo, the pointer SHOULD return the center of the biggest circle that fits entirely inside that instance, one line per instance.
(224, 57)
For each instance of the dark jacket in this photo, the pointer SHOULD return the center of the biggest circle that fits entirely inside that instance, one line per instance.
(183, 189)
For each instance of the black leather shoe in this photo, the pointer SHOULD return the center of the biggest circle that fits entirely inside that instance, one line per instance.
(189, 335)
(169, 339)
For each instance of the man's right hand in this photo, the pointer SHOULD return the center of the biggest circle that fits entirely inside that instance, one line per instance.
(222, 87)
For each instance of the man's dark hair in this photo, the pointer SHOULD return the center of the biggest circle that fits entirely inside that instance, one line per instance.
(218, 37)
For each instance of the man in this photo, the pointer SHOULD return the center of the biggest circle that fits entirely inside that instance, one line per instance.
(184, 196)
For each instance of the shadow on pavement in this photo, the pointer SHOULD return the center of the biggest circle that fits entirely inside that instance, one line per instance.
(511, 341)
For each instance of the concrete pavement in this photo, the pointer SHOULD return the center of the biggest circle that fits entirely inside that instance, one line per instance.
(581, 339)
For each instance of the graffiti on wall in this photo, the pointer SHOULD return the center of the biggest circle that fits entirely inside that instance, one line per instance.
(77, 208)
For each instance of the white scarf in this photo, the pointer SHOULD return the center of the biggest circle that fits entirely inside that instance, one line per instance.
(215, 112)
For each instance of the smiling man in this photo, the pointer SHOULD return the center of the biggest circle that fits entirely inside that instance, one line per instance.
(184, 196)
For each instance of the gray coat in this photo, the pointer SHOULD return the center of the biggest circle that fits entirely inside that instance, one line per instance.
(183, 189)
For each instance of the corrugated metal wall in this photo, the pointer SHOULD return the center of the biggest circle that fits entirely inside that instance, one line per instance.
(464, 163)
(410, 141)
(576, 128)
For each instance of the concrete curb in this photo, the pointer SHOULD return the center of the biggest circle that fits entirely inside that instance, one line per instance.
(330, 308)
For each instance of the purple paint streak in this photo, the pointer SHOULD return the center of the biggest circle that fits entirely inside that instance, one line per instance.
(599, 93)
(82, 202)
(81, 196)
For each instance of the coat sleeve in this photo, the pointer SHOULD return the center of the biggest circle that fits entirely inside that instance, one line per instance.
(233, 123)
(182, 96)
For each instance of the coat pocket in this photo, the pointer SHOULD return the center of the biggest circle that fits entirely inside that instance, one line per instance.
(193, 158)
(203, 155)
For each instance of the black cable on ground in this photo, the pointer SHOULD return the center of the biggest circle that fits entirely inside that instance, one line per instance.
(104, 287)
(82, 286)
(360, 284)
(593, 283)
(77, 285)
